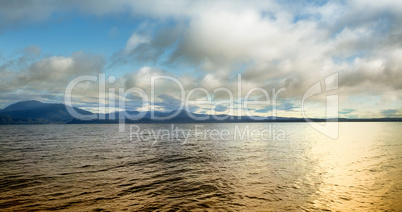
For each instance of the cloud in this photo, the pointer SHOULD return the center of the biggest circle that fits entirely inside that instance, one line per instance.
(16, 12)
(391, 113)
(141, 78)
(147, 48)
(168, 103)
(220, 108)
(32, 51)
(60, 69)
(346, 111)
(113, 32)
(285, 106)
(31, 11)
(49, 76)
(21, 58)
(273, 44)
(134, 41)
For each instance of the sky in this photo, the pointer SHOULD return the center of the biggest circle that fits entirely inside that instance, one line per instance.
(282, 47)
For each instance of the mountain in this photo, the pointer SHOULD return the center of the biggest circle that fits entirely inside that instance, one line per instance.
(181, 117)
(35, 112)
(24, 105)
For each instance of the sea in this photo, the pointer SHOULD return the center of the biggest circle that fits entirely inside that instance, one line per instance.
(201, 167)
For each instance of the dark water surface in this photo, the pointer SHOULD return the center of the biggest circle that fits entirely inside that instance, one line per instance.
(96, 168)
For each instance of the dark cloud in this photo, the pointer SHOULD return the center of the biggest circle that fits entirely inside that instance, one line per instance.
(286, 106)
(381, 71)
(220, 108)
(391, 113)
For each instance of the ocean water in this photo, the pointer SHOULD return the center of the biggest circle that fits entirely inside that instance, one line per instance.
(227, 167)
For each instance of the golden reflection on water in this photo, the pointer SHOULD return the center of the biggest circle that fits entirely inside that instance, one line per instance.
(358, 171)
(91, 167)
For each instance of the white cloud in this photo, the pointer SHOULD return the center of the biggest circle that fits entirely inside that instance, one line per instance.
(47, 77)
(134, 41)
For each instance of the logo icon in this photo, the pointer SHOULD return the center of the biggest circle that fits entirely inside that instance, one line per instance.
(331, 126)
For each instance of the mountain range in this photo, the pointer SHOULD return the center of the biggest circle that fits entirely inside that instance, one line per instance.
(35, 112)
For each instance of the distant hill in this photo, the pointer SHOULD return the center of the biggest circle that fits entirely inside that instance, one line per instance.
(35, 112)
(24, 105)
